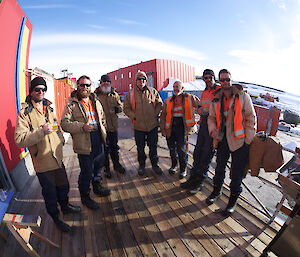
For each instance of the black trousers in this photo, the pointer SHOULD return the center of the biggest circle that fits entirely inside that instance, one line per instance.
(238, 163)
(91, 164)
(177, 143)
(151, 137)
(112, 148)
(203, 151)
(55, 188)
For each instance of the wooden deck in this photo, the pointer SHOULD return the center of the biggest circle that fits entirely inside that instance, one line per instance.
(144, 216)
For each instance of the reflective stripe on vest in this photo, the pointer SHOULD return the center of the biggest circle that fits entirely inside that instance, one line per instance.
(238, 119)
(189, 112)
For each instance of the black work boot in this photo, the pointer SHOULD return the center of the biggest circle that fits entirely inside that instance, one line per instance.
(197, 185)
(69, 208)
(188, 183)
(141, 170)
(157, 169)
(172, 170)
(98, 189)
(88, 201)
(231, 203)
(119, 168)
(183, 173)
(216, 193)
(59, 222)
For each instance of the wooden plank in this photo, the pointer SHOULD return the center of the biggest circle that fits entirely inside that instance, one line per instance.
(130, 204)
(216, 244)
(167, 230)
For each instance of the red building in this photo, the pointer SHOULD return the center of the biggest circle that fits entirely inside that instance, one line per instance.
(158, 72)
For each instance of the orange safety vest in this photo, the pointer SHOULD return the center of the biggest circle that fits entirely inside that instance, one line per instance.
(151, 90)
(238, 120)
(207, 96)
(189, 112)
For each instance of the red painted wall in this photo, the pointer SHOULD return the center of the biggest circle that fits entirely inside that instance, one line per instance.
(11, 16)
(159, 69)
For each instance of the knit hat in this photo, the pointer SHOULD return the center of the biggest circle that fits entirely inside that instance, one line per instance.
(208, 72)
(105, 78)
(140, 74)
(36, 82)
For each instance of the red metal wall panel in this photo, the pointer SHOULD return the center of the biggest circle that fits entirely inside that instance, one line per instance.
(159, 69)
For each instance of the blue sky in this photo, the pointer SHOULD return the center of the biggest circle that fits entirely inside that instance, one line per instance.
(258, 40)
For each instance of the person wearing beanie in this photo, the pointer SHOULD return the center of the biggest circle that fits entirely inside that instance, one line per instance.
(37, 129)
(143, 105)
(84, 119)
(203, 151)
(232, 125)
(112, 105)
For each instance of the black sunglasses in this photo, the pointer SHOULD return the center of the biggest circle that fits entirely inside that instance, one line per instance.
(38, 89)
(226, 79)
(85, 85)
(141, 79)
(207, 77)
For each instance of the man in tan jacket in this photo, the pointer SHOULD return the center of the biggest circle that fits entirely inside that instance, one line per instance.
(143, 105)
(112, 105)
(232, 125)
(83, 117)
(37, 129)
(177, 121)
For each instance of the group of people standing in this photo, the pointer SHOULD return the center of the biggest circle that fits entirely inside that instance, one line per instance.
(227, 124)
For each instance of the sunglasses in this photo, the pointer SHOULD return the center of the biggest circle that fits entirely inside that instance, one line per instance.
(85, 85)
(38, 89)
(226, 79)
(141, 79)
(207, 77)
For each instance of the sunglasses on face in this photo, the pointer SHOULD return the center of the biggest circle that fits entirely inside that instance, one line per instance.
(38, 89)
(142, 79)
(226, 79)
(85, 85)
(207, 77)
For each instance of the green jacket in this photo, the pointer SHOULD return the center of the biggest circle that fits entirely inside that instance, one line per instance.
(46, 150)
(73, 120)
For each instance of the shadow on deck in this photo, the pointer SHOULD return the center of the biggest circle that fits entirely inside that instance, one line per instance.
(144, 216)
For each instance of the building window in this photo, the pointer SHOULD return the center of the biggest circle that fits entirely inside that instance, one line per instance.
(121, 75)
(116, 77)
(129, 74)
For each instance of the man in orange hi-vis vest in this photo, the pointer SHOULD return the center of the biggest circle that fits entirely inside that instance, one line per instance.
(176, 122)
(203, 151)
(232, 125)
(143, 105)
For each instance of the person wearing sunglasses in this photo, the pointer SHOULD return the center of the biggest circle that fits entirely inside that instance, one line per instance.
(84, 118)
(112, 105)
(203, 151)
(232, 125)
(143, 105)
(35, 130)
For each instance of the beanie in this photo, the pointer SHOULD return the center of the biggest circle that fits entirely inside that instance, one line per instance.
(35, 82)
(208, 72)
(105, 78)
(140, 74)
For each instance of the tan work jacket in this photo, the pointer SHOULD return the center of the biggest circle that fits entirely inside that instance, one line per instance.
(46, 150)
(112, 105)
(146, 111)
(73, 120)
